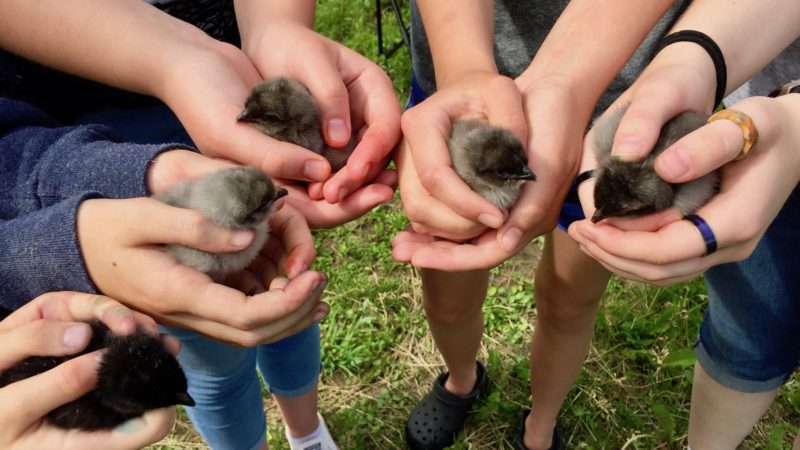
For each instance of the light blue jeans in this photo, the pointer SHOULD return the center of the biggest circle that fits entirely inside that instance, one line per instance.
(223, 381)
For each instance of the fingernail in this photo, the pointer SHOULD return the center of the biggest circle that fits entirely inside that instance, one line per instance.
(365, 170)
(320, 285)
(627, 149)
(511, 238)
(669, 218)
(490, 220)
(342, 193)
(76, 336)
(130, 426)
(675, 164)
(337, 130)
(242, 238)
(319, 315)
(315, 169)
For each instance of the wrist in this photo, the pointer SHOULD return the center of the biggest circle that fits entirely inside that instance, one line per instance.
(697, 68)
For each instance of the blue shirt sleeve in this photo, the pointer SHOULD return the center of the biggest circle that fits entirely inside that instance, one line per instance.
(46, 171)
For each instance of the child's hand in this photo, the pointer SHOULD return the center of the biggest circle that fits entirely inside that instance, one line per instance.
(354, 95)
(46, 326)
(119, 240)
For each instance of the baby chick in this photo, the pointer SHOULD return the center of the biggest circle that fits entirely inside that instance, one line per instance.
(491, 160)
(136, 374)
(632, 189)
(284, 109)
(238, 198)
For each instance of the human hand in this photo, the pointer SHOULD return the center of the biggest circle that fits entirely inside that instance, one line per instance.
(673, 251)
(354, 95)
(436, 200)
(123, 259)
(46, 326)
(552, 109)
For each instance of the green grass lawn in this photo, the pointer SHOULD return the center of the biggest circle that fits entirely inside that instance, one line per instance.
(379, 358)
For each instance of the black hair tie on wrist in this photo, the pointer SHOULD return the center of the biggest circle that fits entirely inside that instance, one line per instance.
(710, 47)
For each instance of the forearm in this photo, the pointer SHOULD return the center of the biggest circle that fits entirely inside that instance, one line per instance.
(40, 253)
(127, 43)
(461, 37)
(590, 43)
(731, 25)
(251, 15)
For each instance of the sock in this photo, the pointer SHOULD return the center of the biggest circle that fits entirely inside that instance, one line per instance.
(298, 442)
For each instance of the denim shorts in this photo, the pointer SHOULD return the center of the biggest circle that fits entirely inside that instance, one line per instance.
(750, 336)
(223, 380)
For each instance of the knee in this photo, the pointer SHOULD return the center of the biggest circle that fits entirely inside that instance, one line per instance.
(560, 301)
(451, 312)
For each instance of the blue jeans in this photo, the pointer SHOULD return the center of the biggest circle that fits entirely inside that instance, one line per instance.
(750, 336)
(229, 413)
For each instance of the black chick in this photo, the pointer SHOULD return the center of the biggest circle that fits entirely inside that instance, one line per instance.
(136, 374)
(491, 160)
(285, 110)
(632, 189)
(238, 198)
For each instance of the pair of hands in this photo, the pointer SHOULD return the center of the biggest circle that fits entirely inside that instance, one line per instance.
(452, 227)
(207, 89)
(120, 241)
(661, 248)
(47, 327)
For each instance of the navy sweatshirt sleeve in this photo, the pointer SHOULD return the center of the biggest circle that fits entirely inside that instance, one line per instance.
(46, 171)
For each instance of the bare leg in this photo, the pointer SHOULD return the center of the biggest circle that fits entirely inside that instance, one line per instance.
(796, 445)
(453, 302)
(299, 413)
(720, 417)
(568, 286)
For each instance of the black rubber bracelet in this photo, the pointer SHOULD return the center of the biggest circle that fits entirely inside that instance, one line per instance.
(710, 47)
(584, 176)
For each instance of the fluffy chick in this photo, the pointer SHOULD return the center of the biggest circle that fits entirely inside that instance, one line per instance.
(136, 374)
(238, 198)
(491, 160)
(285, 110)
(632, 189)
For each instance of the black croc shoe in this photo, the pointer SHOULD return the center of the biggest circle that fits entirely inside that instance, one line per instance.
(439, 416)
(519, 439)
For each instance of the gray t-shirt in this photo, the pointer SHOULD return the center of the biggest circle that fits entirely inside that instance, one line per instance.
(520, 28)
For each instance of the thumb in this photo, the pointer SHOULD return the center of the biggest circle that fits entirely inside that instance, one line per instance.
(641, 123)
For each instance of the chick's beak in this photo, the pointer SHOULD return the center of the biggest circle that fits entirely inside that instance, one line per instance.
(598, 216)
(527, 174)
(185, 399)
(243, 117)
(280, 192)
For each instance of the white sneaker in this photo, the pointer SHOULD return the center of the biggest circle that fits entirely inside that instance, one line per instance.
(323, 441)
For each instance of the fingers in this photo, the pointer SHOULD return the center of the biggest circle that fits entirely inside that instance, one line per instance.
(42, 338)
(32, 398)
(700, 152)
(321, 214)
(641, 124)
(165, 225)
(139, 432)
(329, 91)
(249, 321)
(296, 238)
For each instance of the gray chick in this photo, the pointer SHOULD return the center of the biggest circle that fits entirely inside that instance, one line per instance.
(238, 198)
(632, 189)
(491, 160)
(283, 109)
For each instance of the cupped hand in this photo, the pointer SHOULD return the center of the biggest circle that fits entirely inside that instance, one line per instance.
(46, 327)
(553, 145)
(120, 241)
(426, 130)
(752, 193)
(207, 90)
(354, 95)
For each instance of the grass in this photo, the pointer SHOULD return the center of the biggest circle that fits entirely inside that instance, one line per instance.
(633, 391)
